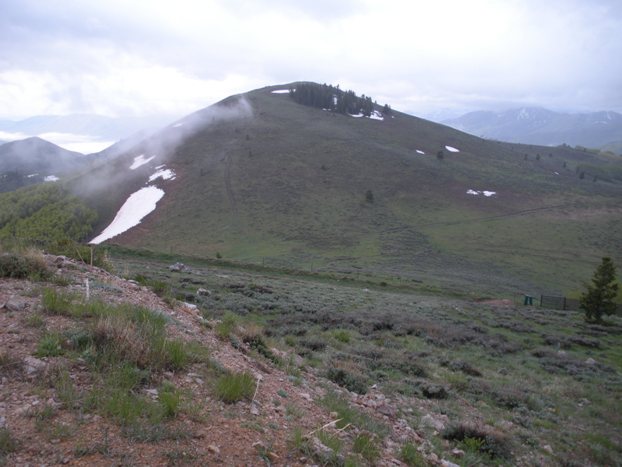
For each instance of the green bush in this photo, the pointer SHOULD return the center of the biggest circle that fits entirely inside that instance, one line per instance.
(8, 444)
(233, 387)
(50, 345)
(485, 440)
(411, 456)
(23, 266)
(55, 303)
(367, 447)
(227, 325)
(170, 400)
(347, 380)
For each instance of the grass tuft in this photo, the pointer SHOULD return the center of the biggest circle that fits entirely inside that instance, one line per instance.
(234, 387)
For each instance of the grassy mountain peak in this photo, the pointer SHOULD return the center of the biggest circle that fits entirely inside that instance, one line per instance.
(263, 179)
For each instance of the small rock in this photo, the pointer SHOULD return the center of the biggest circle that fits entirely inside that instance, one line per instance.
(2, 422)
(548, 448)
(15, 304)
(457, 452)
(334, 415)
(591, 362)
(33, 364)
(431, 422)
(177, 267)
(387, 410)
(204, 292)
(213, 449)
(254, 409)
(446, 463)
(306, 396)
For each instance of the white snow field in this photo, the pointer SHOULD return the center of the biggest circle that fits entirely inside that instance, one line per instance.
(280, 91)
(135, 208)
(419, 151)
(452, 149)
(164, 174)
(51, 178)
(140, 160)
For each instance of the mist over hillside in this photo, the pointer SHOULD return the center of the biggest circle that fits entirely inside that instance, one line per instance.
(34, 160)
(84, 133)
(261, 178)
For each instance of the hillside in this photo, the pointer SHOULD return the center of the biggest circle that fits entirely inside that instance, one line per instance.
(34, 160)
(541, 126)
(236, 367)
(260, 178)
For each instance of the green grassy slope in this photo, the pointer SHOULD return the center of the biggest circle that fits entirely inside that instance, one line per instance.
(288, 185)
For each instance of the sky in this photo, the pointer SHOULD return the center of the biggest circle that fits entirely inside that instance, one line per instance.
(435, 58)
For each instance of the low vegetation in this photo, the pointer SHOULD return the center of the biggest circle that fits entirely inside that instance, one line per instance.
(480, 365)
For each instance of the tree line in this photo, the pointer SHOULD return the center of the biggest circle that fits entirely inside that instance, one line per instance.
(328, 97)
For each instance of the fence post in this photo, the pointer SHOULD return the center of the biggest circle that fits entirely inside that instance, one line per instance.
(541, 296)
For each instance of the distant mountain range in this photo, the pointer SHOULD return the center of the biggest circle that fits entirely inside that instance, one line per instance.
(84, 133)
(34, 160)
(534, 125)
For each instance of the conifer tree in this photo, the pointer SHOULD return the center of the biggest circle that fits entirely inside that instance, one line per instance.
(599, 298)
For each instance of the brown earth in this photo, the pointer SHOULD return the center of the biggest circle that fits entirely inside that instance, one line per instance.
(209, 433)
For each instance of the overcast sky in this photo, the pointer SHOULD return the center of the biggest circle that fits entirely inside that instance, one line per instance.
(435, 57)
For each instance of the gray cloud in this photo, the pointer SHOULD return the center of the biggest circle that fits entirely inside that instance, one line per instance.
(145, 57)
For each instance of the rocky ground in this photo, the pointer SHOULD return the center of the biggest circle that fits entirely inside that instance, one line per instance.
(283, 424)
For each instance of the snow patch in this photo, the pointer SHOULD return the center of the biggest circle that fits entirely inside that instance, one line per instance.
(376, 115)
(419, 151)
(177, 125)
(486, 193)
(280, 91)
(140, 160)
(164, 174)
(51, 178)
(135, 208)
(452, 149)
(31, 175)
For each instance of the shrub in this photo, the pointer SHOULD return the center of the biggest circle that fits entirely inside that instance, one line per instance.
(366, 446)
(411, 456)
(233, 387)
(7, 442)
(170, 400)
(349, 415)
(488, 442)
(227, 325)
(342, 336)
(56, 303)
(348, 380)
(50, 345)
(9, 364)
(22, 266)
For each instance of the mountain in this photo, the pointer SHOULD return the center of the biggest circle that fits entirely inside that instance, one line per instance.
(533, 125)
(83, 124)
(85, 133)
(262, 179)
(34, 160)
